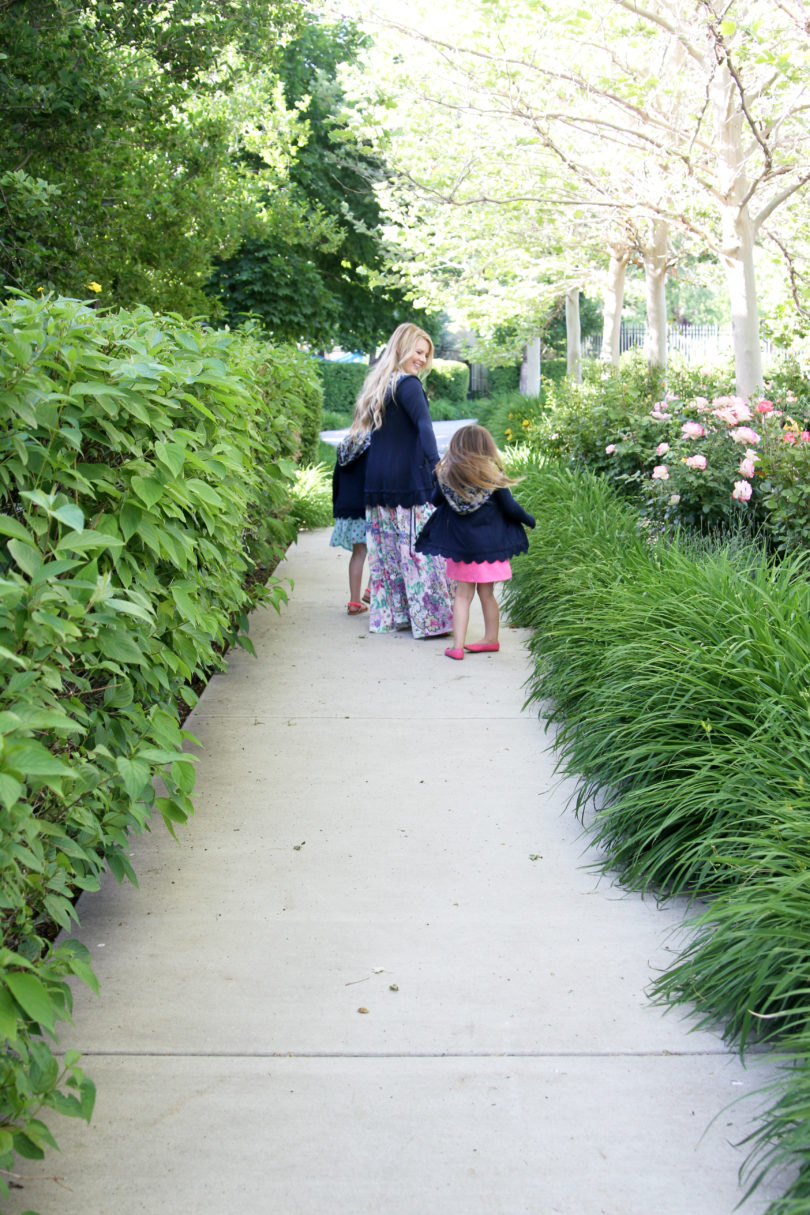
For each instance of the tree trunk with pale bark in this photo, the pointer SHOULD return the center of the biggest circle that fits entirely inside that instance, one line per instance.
(573, 335)
(530, 369)
(614, 301)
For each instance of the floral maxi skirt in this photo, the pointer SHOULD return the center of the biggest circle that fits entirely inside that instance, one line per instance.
(408, 589)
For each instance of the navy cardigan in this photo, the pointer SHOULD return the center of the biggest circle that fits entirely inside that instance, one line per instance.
(491, 532)
(403, 452)
(348, 488)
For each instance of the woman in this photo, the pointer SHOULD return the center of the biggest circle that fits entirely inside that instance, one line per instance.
(408, 589)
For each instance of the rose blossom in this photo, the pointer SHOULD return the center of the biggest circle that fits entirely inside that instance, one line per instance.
(764, 406)
(609, 450)
(695, 462)
(741, 491)
(731, 410)
(674, 499)
(744, 434)
(805, 436)
(789, 436)
(660, 473)
(692, 430)
(662, 449)
(747, 467)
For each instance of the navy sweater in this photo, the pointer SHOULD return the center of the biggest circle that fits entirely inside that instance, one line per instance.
(348, 488)
(403, 452)
(491, 532)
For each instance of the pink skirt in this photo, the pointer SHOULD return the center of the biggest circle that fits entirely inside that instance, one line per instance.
(478, 571)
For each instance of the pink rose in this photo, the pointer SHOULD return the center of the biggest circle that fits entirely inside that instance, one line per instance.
(662, 449)
(744, 434)
(692, 430)
(805, 436)
(741, 491)
(789, 436)
(695, 462)
(660, 473)
(747, 467)
(764, 406)
(609, 450)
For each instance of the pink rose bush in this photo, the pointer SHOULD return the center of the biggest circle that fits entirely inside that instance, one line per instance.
(705, 487)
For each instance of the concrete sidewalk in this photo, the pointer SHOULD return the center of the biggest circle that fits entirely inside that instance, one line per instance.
(375, 974)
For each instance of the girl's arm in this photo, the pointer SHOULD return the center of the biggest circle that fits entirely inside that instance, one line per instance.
(511, 508)
(411, 396)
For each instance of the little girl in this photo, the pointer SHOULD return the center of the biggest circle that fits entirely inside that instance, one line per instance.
(478, 526)
(348, 508)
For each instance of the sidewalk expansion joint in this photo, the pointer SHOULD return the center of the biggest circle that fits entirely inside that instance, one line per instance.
(514, 1054)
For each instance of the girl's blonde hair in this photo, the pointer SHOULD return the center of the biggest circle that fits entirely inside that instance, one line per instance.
(472, 463)
(369, 408)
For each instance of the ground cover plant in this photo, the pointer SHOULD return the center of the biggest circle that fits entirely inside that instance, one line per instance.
(675, 671)
(145, 468)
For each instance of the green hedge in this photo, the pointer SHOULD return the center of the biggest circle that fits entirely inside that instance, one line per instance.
(449, 380)
(145, 466)
(675, 674)
(341, 385)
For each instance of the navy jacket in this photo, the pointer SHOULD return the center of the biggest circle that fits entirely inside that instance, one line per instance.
(403, 452)
(348, 488)
(491, 532)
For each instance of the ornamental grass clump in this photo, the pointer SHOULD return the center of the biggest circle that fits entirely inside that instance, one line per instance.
(677, 675)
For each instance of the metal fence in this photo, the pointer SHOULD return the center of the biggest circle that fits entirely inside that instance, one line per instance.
(696, 343)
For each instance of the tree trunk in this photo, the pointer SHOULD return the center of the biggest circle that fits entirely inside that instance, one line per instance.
(656, 261)
(614, 301)
(573, 335)
(530, 369)
(737, 233)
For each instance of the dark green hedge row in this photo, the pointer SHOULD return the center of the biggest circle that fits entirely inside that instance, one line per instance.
(341, 384)
(449, 381)
(145, 466)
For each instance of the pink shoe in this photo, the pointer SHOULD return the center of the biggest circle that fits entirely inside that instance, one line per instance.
(483, 647)
(457, 654)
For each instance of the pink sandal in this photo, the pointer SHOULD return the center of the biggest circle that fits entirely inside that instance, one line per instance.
(451, 653)
(354, 608)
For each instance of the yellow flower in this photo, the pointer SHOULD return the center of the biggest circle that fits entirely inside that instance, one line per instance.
(508, 434)
(525, 423)
(94, 286)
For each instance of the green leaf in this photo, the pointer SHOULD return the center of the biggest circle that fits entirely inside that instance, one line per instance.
(30, 758)
(71, 515)
(26, 556)
(135, 774)
(13, 527)
(728, 28)
(173, 455)
(32, 997)
(148, 489)
(10, 790)
(9, 1016)
(119, 646)
(80, 542)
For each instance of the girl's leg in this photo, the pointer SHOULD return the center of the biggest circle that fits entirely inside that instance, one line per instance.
(492, 615)
(461, 612)
(356, 563)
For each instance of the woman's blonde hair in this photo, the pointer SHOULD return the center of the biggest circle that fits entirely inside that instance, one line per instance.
(369, 408)
(472, 463)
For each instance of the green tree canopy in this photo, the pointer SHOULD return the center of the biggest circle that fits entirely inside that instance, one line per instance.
(336, 290)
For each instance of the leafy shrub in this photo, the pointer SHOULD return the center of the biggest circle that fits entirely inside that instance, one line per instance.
(449, 380)
(450, 411)
(145, 466)
(312, 496)
(341, 384)
(503, 379)
(676, 674)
